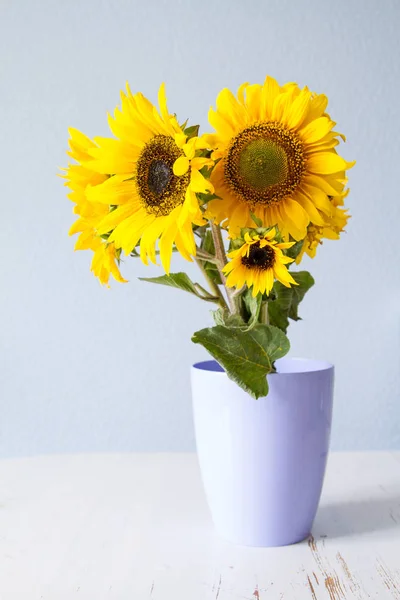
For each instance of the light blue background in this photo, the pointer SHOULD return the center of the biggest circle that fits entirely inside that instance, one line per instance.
(88, 369)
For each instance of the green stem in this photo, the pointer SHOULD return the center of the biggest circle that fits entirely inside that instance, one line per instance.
(214, 287)
(218, 245)
(205, 294)
(221, 260)
(205, 256)
(264, 316)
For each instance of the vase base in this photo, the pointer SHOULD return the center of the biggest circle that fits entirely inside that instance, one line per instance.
(263, 542)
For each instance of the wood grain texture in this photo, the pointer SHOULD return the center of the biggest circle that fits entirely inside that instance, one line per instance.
(136, 527)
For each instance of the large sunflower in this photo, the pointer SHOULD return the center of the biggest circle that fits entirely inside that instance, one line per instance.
(78, 178)
(154, 175)
(258, 262)
(277, 158)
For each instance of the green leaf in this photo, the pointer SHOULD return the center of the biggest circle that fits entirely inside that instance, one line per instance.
(287, 300)
(250, 316)
(256, 220)
(235, 244)
(278, 315)
(261, 231)
(223, 317)
(192, 131)
(134, 252)
(182, 282)
(252, 306)
(204, 198)
(220, 316)
(305, 281)
(247, 356)
(295, 250)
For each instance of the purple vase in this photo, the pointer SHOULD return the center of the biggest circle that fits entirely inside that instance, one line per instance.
(263, 461)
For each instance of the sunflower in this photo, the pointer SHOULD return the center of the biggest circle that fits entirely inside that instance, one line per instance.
(153, 176)
(258, 262)
(277, 158)
(331, 230)
(78, 178)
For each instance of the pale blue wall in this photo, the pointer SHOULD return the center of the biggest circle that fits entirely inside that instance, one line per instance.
(82, 368)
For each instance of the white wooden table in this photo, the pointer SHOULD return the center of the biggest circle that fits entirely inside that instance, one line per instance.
(136, 527)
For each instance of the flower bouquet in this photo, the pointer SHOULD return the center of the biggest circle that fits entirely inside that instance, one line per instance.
(246, 203)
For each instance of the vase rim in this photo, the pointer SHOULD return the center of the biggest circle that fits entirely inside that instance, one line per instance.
(284, 366)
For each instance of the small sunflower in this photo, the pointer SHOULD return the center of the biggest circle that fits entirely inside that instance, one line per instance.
(78, 178)
(153, 176)
(331, 230)
(258, 262)
(277, 158)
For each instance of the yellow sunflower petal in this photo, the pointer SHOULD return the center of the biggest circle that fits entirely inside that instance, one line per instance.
(182, 247)
(79, 144)
(149, 239)
(190, 148)
(316, 109)
(116, 273)
(256, 284)
(316, 130)
(189, 210)
(117, 216)
(85, 240)
(127, 234)
(296, 217)
(232, 109)
(112, 156)
(286, 260)
(77, 227)
(281, 107)
(148, 115)
(271, 234)
(229, 265)
(268, 281)
(306, 203)
(186, 236)
(128, 130)
(167, 240)
(285, 245)
(269, 92)
(241, 92)
(320, 183)
(181, 166)
(199, 162)
(220, 124)
(298, 109)
(283, 275)
(199, 183)
(324, 163)
(162, 103)
(253, 99)
(114, 191)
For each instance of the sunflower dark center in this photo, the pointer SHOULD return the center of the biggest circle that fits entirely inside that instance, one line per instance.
(159, 176)
(259, 258)
(160, 191)
(264, 164)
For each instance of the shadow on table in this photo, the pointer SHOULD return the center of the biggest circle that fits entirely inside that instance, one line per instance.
(357, 517)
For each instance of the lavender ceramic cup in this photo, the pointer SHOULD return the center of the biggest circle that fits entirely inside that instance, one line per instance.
(263, 461)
